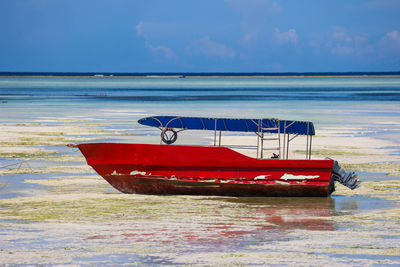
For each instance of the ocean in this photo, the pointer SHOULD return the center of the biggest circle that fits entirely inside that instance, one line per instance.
(210, 89)
(54, 209)
(340, 100)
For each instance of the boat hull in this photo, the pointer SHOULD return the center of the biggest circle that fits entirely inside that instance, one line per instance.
(204, 170)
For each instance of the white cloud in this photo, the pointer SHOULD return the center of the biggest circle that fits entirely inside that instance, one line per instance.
(389, 45)
(156, 30)
(342, 43)
(392, 38)
(340, 35)
(286, 37)
(249, 36)
(250, 33)
(342, 50)
(164, 51)
(159, 51)
(139, 28)
(209, 48)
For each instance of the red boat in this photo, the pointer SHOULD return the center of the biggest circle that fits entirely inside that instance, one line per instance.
(216, 169)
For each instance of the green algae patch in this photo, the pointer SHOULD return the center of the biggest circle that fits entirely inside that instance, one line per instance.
(113, 207)
(388, 190)
(36, 141)
(45, 140)
(59, 169)
(389, 215)
(94, 124)
(59, 158)
(390, 168)
(28, 124)
(333, 152)
(83, 184)
(386, 187)
(72, 181)
(83, 210)
(26, 153)
(365, 249)
(67, 210)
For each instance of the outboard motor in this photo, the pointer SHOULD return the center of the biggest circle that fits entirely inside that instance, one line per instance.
(346, 178)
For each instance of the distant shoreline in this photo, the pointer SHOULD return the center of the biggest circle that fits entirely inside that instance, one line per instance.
(196, 75)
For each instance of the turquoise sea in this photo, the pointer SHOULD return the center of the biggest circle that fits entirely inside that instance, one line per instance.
(263, 97)
(365, 101)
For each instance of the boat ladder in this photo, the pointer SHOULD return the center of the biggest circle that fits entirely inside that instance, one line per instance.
(267, 133)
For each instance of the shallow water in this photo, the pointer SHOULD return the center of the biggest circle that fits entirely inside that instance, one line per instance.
(190, 226)
(89, 223)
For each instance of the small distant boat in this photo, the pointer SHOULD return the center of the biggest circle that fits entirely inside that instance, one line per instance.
(217, 170)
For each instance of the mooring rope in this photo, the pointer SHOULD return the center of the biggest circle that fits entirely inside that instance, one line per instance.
(7, 182)
(9, 165)
(26, 164)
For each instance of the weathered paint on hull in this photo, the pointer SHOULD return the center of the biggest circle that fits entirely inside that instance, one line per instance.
(148, 185)
(199, 170)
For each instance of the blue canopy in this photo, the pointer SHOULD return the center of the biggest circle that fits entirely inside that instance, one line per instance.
(233, 125)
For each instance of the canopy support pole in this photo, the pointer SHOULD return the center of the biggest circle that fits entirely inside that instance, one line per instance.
(258, 138)
(307, 148)
(284, 141)
(215, 133)
(287, 146)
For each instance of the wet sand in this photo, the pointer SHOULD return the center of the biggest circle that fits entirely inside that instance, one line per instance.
(54, 209)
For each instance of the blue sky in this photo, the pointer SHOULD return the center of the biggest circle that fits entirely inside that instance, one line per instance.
(199, 36)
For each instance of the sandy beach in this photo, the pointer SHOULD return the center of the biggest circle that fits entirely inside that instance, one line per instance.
(61, 212)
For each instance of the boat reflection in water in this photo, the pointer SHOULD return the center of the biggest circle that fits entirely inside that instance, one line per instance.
(289, 213)
(226, 223)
